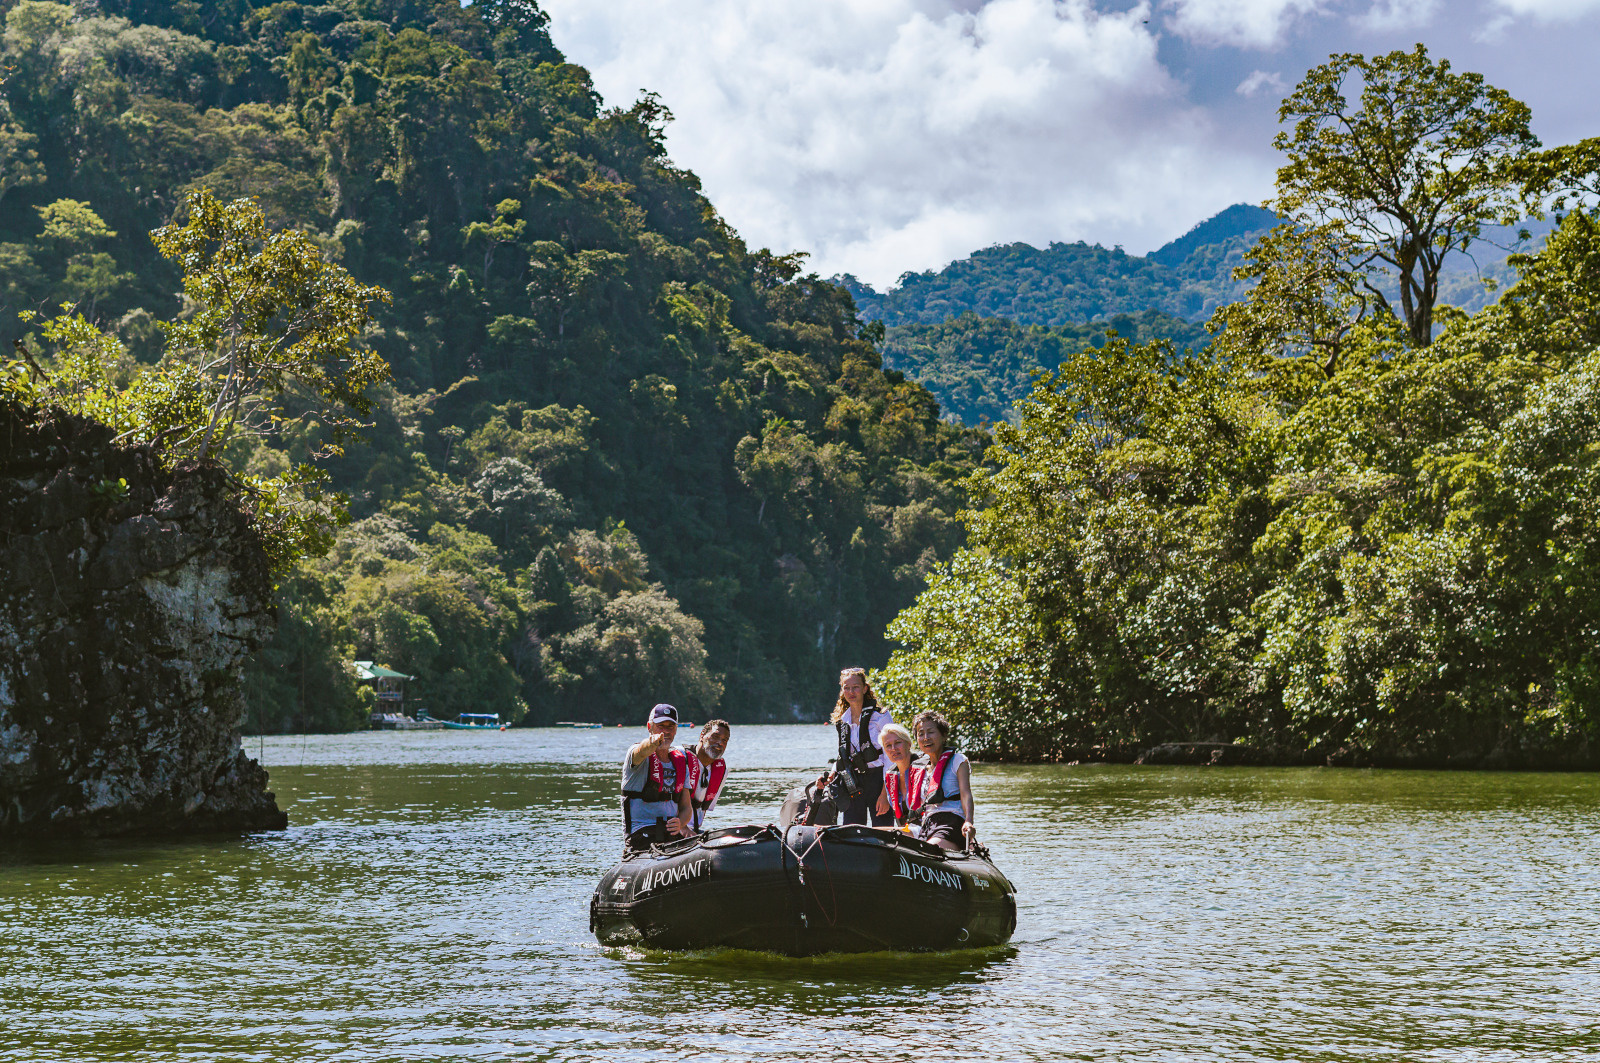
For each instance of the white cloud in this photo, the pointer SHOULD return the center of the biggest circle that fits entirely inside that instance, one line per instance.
(1260, 80)
(1540, 12)
(1241, 23)
(1547, 11)
(1391, 16)
(889, 135)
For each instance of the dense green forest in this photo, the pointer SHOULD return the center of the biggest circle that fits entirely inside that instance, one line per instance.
(1359, 525)
(979, 371)
(1074, 284)
(622, 457)
(974, 332)
(980, 368)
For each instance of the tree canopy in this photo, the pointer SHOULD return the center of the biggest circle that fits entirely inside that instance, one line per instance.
(550, 511)
(1076, 283)
(1327, 534)
(981, 368)
(1412, 174)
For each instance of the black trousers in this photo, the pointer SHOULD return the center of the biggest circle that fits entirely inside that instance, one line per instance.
(944, 829)
(861, 807)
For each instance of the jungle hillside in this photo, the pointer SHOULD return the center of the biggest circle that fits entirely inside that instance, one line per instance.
(614, 456)
(975, 331)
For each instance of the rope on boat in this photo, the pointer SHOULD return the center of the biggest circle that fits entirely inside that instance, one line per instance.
(800, 874)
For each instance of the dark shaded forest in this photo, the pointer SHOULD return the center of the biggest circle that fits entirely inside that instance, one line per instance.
(623, 457)
(980, 368)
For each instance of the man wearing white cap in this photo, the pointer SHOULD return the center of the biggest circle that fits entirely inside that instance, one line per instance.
(656, 802)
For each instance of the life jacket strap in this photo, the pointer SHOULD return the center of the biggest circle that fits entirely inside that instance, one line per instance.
(655, 788)
(920, 779)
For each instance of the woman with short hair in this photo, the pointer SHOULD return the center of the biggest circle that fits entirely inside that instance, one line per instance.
(898, 773)
(943, 790)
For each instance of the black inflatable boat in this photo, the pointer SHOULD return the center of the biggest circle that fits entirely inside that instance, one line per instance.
(804, 890)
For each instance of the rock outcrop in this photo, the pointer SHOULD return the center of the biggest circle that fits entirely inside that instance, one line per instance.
(130, 595)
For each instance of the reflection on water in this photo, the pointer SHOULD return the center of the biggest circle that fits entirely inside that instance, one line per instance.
(430, 902)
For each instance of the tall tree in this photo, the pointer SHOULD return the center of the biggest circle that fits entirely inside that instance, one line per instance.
(1408, 175)
(271, 315)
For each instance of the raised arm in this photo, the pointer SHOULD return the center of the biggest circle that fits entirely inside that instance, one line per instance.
(640, 753)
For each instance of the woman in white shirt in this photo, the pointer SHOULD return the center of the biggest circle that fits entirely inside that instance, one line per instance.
(942, 790)
(860, 722)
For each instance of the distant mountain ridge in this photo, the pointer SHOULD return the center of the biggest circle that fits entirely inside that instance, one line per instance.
(1076, 283)
(973, 332)
(1239, 220)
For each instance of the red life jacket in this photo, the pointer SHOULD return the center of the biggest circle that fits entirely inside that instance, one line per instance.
(919, 779)
(655, 787)
(718, 771)
(891, 786)
(914, 797)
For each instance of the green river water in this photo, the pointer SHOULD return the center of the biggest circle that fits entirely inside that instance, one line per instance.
(429, 902)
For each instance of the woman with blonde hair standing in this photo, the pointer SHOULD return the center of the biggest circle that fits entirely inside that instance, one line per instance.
(859, 720)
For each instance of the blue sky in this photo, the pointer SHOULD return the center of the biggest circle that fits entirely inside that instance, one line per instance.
(882, 136)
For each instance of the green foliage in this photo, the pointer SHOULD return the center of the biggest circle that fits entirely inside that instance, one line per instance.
(71, 224)
(302, 682)
(975, 645)
(583, 632)
(1569, 174)
(1384, 559)
(974, 332)
(270, 315)
(19, 163)
(1304, 304)
(981, 368)
(1069, 284)
(1327, 533)
(578, 346)
(1211, 239)
(1408, 177)
(269, 319)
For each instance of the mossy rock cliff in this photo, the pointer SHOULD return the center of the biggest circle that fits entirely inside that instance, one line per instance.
(130, 595)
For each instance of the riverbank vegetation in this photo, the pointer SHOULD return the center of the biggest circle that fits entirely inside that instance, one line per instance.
(1357, 525)
(622, 457)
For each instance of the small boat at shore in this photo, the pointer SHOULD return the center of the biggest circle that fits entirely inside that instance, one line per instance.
(577, 723)
(476, 721)
(803, 890)
(391, 721)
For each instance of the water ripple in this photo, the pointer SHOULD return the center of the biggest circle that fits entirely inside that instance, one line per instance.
(430, 903)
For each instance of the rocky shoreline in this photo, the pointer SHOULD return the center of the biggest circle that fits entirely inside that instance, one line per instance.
(130, 596)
